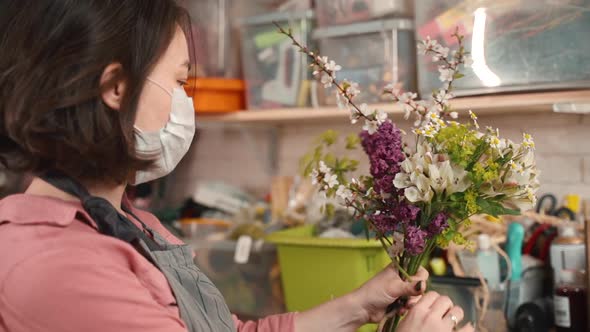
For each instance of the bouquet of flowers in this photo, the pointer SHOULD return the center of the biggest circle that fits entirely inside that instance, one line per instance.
(423, 186)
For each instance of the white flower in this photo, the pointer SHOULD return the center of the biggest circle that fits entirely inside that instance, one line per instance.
(515, 167)
(409, 108)
(441, 53)
(443, 97)
(474, 118)
(439, 182)
(412, 194)
(526, 199)
(454, 115)
(402, 181)
(324, 169)
(446, 74)
(331, 180)
(421, 192)
(408, 165)
(426, 45)
(407, 96)
(422, 106)
(430, 130)
(371, 126)
(468, 61)
(393, 88)
(332, 66)
(353, 89)
(344, 193)
(531, 195)
(446, 178)
(433, 117)
(314, 176)
(323, 60)
(327, 80)
(380, 117)
(418, 121)
(460, 181)
(496, 143)
(527, 141)
(397, 247)
(354, 116)
(364, 108)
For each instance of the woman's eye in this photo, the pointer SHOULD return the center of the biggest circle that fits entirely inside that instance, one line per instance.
(182, 83)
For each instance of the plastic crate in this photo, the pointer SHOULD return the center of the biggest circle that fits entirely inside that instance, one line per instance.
(276, 73)
(372, 54)
(316, 270)
(252, 289)
(516, 45)
(335, 12)
(214, 38)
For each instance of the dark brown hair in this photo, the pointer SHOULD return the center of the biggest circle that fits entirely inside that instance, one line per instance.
(52, 56)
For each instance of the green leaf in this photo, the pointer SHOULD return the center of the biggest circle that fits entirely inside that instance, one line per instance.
(329, 137)
(479, 151)
(458, 76)
(495, 209)
(352, 141)
(330, 160)
(318, 153)
(354, 164)
(306, 164)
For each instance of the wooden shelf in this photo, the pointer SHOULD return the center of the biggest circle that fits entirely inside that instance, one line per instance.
(483, 105)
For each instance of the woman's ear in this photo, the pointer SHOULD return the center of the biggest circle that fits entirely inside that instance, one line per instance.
(112, 86)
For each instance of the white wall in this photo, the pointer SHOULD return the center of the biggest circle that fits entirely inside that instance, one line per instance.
(239, 156)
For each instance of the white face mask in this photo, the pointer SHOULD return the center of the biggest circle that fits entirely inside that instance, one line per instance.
(169, 144)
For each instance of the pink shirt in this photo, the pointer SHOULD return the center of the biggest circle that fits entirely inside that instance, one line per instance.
(58, 274)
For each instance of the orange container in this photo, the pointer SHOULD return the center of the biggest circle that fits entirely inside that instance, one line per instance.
(217, 95)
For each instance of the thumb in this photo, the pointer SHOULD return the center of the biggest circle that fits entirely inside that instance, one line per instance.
(407, 288)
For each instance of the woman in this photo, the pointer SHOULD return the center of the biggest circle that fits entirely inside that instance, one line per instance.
(91, 100)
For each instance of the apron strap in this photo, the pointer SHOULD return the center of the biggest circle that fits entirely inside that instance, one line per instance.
(109, 221)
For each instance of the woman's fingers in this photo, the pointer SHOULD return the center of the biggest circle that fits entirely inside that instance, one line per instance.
(426, 301)
(441, 306)
(455, 312)
(422, 274)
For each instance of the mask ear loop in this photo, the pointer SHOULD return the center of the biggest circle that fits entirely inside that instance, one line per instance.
(160, 86)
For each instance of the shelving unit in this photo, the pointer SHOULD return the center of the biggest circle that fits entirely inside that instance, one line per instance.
(484, 105)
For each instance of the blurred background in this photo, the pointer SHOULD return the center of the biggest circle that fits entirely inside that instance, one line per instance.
(256, 224)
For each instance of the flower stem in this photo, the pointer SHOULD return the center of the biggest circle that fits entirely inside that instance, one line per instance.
(323, 68)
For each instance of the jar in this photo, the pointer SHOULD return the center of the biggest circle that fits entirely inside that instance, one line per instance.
(570, 301)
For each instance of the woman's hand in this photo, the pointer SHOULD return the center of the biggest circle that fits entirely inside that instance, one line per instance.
(386, 287)
(433, 312)
(369, 303)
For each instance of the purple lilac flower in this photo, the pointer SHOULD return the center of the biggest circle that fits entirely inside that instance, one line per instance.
(394, 214)
(415, 240)
(383, 223)
(384, 149)
(438, 224)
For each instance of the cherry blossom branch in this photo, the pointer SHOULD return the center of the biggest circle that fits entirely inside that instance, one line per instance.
(321, 65)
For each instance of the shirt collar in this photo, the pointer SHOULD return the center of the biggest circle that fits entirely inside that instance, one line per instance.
(34, 209)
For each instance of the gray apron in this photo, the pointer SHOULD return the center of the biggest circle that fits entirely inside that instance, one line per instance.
(200, 303)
